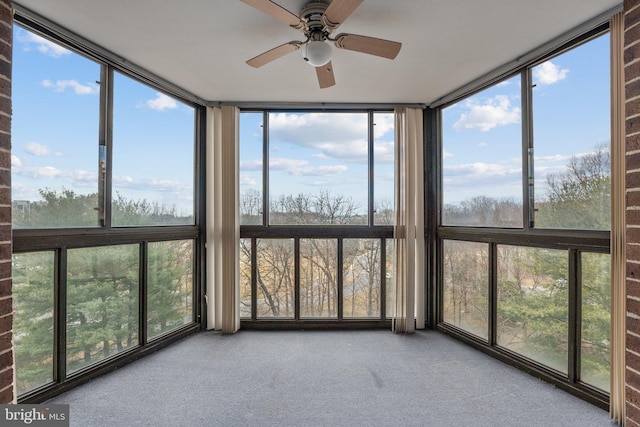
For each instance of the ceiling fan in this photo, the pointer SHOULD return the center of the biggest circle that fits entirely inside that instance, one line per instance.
(317, 21)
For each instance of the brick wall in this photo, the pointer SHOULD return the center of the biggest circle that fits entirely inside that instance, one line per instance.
(6, 317)
(632, 125)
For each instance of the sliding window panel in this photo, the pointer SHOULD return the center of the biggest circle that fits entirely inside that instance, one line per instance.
(153, 157)
(102, 303)
(245, 278)
(595, 345)
(465, 281)
(169, 286)
(251, 170)
(533, 301)
(276, 278)
(383, 168)
(318, 168)
(482, 158)
(572, 131)
(318, 278)
(361, 278)
(54, 135)
(33, 321)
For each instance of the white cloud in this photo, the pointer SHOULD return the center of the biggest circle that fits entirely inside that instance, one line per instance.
(78, 88)
(549, 73)
(483, 144)
(335, 136)
(151, 184)
(496, 111)
(15, 161)
(296, 167)
(41, 44)
(38, 171)
(446, 154)
(251, 165)
(247, 180)
(36, 149)
(160, 103)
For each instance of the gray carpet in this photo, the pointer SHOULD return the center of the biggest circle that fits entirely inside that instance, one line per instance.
(328, 378)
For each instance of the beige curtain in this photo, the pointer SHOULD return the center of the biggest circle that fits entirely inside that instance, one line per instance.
(618, 255)
(409, 228)
(222, 226)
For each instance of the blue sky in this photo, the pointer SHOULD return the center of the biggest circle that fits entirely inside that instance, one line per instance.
(55, 134)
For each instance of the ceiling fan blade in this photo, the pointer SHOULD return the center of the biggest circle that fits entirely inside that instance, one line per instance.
(338, 11)
(370, 45)
(273, 54)
(325, 75)
(276, 11)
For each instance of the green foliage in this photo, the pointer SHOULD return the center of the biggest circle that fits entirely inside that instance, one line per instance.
(59, 209)
(67, 209)
(580, 196)
(102, 303)
(33, 321)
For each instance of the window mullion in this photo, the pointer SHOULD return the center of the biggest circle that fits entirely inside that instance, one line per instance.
(528, 199)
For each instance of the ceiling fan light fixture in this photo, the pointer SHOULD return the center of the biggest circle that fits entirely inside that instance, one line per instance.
(317, 53)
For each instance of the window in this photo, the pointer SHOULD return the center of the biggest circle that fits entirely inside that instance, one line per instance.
(251, 150)
(322, 247)
(527, 160)
(100, 289)
(276, 278)
(383, 168)
(571, 103)
(153, 151)
(33, 293)
(533, 304)
(55, 132)
(482, 158)
(466, 286)
(361, 278)
(102, 303)
(170, 286)
(595, 342)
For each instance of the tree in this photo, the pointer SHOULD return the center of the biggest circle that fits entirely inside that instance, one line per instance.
(33, 321)
(580, 196)
(484, 211)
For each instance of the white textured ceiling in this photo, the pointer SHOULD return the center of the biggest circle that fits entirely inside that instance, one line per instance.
(202, 45)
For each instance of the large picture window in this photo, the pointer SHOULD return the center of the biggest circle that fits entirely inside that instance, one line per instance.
(321, 251)
(112, 161)
(524, 268)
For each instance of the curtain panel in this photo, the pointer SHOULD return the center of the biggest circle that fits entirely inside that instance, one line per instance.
(222, 224)
(409, 226)
(618, 222)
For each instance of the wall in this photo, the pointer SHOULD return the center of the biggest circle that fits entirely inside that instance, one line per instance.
(632, 125)
(6, 316)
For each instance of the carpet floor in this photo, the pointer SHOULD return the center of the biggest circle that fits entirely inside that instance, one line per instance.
(323, 378)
